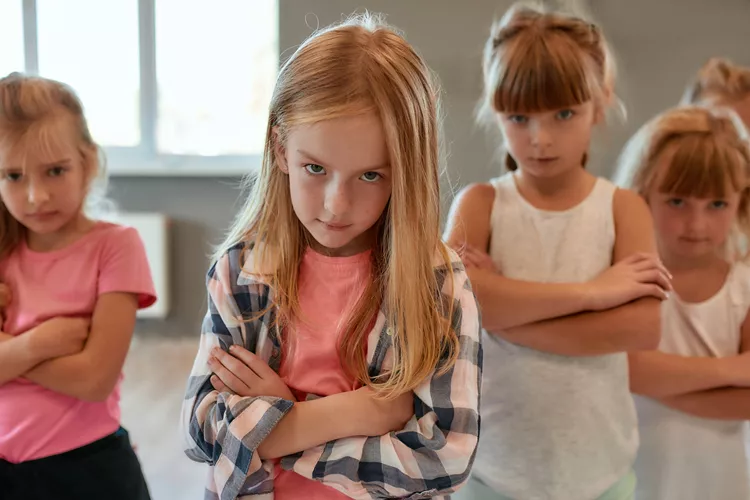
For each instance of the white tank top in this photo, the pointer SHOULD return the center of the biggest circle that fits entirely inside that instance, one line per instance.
(553, 427)
(684, 457)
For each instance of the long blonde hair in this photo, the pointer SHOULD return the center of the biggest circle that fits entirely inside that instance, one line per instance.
(359, 66)
(540, 61)
(718, 78)
(41, 113)
(711, 156)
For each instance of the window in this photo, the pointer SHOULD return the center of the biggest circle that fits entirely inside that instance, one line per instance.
(170, 87)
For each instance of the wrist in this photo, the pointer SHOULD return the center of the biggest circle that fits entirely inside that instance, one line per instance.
(586, 296)
(725, 371)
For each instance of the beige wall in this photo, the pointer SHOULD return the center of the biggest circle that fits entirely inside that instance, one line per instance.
(659, 44)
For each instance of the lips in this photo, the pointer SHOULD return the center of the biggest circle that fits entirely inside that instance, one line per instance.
(335, 226)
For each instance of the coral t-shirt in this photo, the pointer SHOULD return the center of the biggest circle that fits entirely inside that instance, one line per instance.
(36, 422)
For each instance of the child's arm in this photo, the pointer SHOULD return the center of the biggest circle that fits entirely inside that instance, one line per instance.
(53, 338)
(434, 453)
(91, 375)
(660, 375)
(631, 327)
(511, 303)
(124, 285)
(718, 404)
(726, 403)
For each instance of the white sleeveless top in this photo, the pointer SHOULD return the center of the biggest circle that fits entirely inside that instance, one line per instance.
(684, 457)
(553, 427)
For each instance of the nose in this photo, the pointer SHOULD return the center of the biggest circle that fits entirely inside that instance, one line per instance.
(540, 135)
(37, 194)
(697, 223)
(338, 199)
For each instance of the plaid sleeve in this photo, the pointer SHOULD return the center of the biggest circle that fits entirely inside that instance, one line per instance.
(433, 456)
(223, 429)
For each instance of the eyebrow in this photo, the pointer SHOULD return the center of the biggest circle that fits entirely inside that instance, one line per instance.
(318, 162)
(57, 163)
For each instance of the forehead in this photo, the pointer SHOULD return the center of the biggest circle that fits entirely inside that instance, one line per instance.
(38, 147)
(354, 142)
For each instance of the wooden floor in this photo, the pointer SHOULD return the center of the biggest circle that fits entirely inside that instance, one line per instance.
(155, 375)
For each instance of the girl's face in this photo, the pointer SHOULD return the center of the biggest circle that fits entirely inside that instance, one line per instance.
(689, 227)
(549, 143)
(44, 191)
(340, 180)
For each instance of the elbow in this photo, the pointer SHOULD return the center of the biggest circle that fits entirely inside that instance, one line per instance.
(97, 390)
(647, 334)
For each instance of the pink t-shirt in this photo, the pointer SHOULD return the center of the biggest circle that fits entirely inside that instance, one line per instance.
(328, 289)
(36, 422)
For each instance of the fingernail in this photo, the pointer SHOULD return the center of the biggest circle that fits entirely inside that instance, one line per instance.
(233, 348)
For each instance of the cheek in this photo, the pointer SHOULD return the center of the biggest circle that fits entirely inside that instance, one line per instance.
(666, 223)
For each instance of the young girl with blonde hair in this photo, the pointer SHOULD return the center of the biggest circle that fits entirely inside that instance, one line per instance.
(720, 82)
(692, 165)
(565, 268)
(75, 285)
(340, 356)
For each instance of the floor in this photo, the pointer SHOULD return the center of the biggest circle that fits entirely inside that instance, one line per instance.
(155, 375)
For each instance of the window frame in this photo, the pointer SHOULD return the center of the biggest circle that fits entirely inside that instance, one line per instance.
(144, 160)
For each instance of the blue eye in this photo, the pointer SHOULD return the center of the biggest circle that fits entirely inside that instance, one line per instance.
(314, 169)
(55, 171)
(675, 202)
(566, 114)
(719, 204)
(371, 176)
(519, 119)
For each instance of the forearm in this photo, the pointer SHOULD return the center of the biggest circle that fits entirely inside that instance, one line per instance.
(508, 303)
(312, 423)
(631, 327)
(72, 376)
(16, 357)
(719, 404)
(659, 375)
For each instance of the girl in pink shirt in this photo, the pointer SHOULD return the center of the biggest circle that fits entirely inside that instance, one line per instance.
(340, 356)
(75, 285)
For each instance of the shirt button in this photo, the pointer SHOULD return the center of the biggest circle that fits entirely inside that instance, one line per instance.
(389, 331)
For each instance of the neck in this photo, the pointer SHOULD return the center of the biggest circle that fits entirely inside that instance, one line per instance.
(572, 180)
(677, 263)
(74, 229)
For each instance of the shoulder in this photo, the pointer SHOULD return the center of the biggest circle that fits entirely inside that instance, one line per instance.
(478, 196)
(628, 205)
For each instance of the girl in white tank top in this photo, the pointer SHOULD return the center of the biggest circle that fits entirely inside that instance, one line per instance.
(565, 269)
(693, 167)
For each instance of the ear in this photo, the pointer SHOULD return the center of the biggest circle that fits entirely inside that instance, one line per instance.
(279, 151)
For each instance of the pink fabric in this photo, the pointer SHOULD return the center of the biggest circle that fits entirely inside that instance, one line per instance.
(328, 288)
(36, 422)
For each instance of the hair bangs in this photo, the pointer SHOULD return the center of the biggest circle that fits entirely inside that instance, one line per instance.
(543, 74)
(702, 167)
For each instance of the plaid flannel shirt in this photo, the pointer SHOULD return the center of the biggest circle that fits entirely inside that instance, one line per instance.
(430, 458)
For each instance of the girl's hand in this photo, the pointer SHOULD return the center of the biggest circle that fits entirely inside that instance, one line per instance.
(59, 337)
(245, 374)
(378, 417)
(474, 258)
(637, 276)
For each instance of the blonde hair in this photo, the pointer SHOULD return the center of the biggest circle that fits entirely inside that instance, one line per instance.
(718, 78)
(540, 61)
(41, 113)
(710, 158)
(355, 67)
